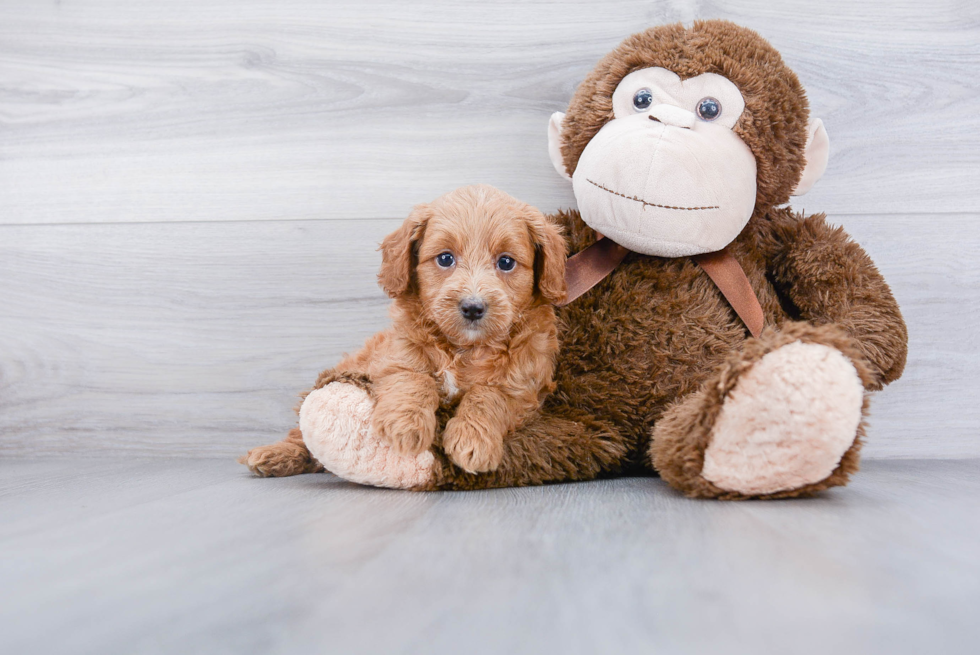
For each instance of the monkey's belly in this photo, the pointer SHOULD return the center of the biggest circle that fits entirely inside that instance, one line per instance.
(650, 333)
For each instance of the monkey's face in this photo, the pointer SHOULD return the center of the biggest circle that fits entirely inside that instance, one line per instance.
(667, 176)
(680, 135)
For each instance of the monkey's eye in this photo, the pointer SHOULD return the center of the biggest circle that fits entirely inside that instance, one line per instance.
(642, 99)
(709, 109)
(445, 260)
(506, 263)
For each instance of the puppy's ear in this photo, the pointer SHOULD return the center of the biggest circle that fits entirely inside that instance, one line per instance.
(550, 255)
(398, 252)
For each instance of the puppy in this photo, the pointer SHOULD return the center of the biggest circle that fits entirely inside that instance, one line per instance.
(473, 276)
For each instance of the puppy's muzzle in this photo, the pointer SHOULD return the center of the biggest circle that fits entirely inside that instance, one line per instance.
(473, 308)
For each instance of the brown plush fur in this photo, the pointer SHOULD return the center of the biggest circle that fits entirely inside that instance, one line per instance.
(649, 354)
(494, 371)
(644, 352)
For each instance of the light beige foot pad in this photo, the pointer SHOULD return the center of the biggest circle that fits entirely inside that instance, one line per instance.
(787, 422)
(336, 425)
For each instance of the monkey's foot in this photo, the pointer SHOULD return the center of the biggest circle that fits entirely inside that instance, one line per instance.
(782, 419)
(787, 422)
(336, 425)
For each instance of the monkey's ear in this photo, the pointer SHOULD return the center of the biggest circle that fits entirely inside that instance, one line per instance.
(549, 256)
(816, 154)
(554, 144)
(398, 252)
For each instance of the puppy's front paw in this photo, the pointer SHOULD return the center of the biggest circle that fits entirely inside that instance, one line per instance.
(408, 429)
(471, 446)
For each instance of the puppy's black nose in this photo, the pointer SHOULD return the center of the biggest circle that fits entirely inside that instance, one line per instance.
(472, 309)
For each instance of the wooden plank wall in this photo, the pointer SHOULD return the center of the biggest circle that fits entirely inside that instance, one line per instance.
(191, 192)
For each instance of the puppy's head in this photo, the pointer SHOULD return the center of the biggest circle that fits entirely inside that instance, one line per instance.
(475, 258)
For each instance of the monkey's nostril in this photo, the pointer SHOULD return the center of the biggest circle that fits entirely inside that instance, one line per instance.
(472, 309)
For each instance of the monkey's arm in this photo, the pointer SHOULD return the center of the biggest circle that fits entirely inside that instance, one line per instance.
(578, 235)
(830, 279)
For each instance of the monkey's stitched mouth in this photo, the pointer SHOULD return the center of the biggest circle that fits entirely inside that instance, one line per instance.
(644, 202)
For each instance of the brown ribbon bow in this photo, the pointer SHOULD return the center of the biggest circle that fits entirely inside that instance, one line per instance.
(586, 269)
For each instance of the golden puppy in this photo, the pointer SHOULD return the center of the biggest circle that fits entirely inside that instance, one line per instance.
(473, 276)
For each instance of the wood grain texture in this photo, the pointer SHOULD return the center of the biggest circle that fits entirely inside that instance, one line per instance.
(190, 192)
(121, 556)
(185, 111)
(193, 339)
(164, 337)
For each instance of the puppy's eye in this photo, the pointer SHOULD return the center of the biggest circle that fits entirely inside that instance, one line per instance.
(445, 260)
(506, 263)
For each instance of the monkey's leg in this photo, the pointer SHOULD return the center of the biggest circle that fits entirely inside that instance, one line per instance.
(782, 418)
(283, 458)
(562, 444)
(336, 423)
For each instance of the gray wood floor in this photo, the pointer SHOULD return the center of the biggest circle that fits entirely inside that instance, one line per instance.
(194, 556)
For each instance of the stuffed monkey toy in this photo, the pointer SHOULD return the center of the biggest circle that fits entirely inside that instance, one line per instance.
(720, 339)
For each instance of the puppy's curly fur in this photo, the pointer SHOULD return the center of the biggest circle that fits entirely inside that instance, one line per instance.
(474, 251)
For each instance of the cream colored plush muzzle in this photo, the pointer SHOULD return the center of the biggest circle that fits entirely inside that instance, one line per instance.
(663, 178)
(666, 189)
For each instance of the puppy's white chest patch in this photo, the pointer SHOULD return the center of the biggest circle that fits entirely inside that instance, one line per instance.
(449, 388)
